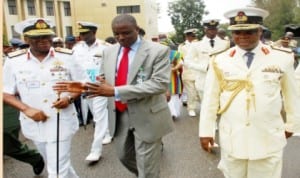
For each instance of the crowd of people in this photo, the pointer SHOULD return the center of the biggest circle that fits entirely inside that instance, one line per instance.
(134, 88)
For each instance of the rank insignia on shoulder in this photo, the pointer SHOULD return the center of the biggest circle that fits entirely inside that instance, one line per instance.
(287, 50)
(16, 53)
(265, 50)
(64, 50)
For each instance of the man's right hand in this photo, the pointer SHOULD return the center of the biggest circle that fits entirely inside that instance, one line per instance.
(206, 143)
(35, 114)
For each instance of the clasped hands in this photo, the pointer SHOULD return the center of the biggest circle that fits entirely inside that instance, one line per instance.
(100, 88)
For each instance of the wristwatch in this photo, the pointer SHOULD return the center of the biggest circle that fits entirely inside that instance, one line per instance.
(71, 99)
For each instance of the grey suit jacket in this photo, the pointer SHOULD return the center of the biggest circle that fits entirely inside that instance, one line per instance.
(145, 96)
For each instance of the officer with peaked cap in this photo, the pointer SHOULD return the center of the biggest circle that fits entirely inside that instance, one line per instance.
(70, 41)
(30, 73)
(198, 58)
(189, 93)
(246, 86)
(57, 42)
(89, 55)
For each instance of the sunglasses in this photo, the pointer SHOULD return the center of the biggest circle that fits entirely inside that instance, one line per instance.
(246, 32)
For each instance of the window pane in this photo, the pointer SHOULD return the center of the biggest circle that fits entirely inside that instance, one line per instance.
(49, 8)
(135, 9)
(69, 30)
(12, 7)
(128, 9)
(31, 7)
(67, 9)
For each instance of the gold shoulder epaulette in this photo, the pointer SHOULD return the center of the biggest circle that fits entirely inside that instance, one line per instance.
(16, 53)
(287, 50)
(64, 50)
(218, 52)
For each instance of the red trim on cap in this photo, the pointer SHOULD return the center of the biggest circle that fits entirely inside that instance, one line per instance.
(232, 53)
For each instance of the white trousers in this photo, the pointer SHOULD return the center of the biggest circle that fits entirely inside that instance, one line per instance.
(192, 94)
(175, 105)
(98, 107)
(269, 167)
(48, 151)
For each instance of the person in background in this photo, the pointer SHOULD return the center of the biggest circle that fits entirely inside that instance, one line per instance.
(30, 73)
(70, 41)
(89, 53)
(175, 86)
(284, 43)
(198, 56)
(189, 96)
(137, 75)
(13, 147)
(247, 85)
(267, 37)
(16, 43)
(57, 42)
(111, 40)
(293, 43)
(142, 32)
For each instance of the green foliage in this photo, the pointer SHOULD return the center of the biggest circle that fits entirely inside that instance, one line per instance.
(4, 40)
(282, 12)
(186, 14)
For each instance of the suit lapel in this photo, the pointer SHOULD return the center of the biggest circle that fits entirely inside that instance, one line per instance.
(138, 61)
(111, 63)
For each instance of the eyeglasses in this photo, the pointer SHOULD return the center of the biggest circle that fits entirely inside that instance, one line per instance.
(245, 32)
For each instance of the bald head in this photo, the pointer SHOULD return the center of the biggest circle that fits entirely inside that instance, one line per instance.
(125, 29)
(124, 18)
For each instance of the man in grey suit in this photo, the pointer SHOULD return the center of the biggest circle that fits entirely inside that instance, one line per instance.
(138, 111)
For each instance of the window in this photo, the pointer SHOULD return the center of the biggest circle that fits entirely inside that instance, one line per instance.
(69, 30)
(49, 8)
(31, 7)
(14, 33)
(67, 9)
(12, 7)
(128, 9)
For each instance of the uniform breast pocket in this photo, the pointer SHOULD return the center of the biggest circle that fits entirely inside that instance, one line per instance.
(271, 83)
(27, 81)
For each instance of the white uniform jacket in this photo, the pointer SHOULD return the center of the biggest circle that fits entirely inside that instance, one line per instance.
(33, 81)
(297, 72)
(251, 127)
(197, 59)
(90, 57)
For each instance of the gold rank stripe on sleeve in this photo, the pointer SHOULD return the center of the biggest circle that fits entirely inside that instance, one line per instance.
(16, 53)
(287, 50)
(64, 50)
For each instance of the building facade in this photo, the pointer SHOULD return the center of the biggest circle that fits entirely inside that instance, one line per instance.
(65, 14)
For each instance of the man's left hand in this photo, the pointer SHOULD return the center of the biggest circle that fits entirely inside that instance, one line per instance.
(99, 89)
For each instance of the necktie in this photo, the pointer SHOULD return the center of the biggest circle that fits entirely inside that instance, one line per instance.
(250, 57)
(212, 43)
(121, 78)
